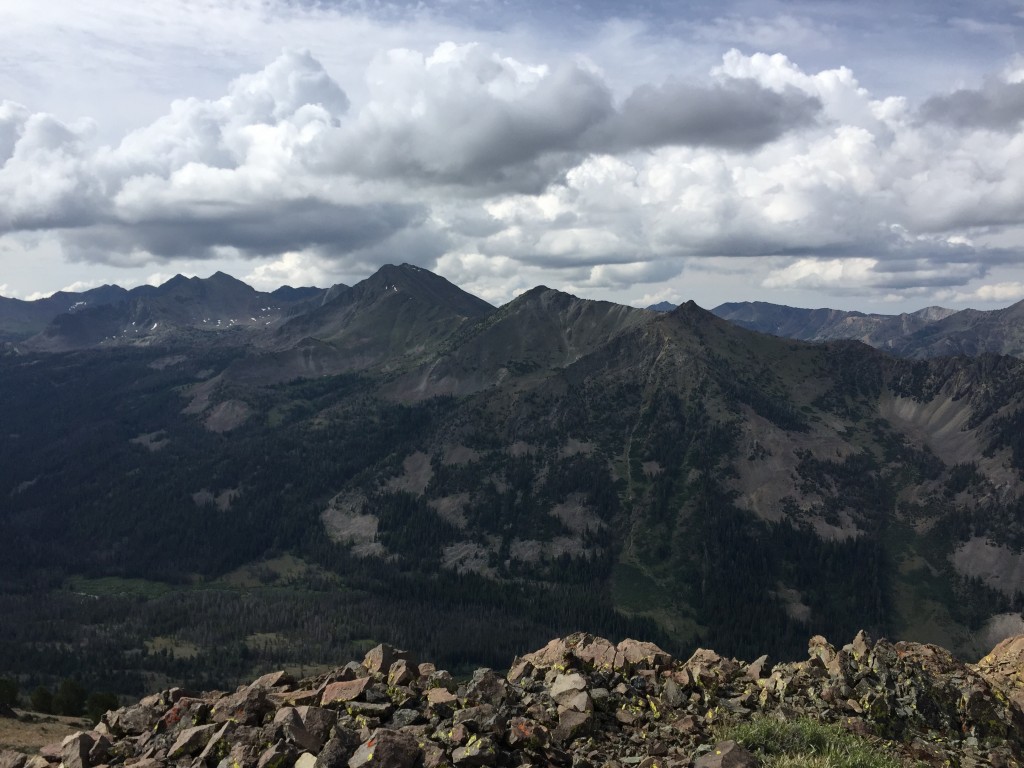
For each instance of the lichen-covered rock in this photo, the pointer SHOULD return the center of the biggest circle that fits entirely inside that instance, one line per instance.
(191, 741)
(278, 679)
(247, 707)
(338, 750)
(579, 701)
(477, 751)
(278, 755)
(727, 754)
(393, 749)
(348, 690)
(1003, 668)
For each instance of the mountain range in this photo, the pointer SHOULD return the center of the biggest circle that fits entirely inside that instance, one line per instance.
(401, 460)
(929, 332)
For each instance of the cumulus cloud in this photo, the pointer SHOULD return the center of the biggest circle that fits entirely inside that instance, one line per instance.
(283, 163)
(989, 293)
(502, 171)
(467, 116)
(997, 106)
(736, 114)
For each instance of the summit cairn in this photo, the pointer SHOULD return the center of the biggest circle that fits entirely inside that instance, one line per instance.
(580, 701)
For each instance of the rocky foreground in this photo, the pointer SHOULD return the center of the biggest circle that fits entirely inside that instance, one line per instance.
(579, 701)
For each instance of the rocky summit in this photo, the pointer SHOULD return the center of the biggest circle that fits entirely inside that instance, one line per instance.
(579, 701)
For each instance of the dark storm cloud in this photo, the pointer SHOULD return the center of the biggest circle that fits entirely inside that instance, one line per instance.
(997, 106)
(275, 228)
(738, 115)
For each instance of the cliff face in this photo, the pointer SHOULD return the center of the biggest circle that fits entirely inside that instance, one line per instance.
(580, 701)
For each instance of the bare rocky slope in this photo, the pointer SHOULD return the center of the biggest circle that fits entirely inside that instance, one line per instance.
(579, 701)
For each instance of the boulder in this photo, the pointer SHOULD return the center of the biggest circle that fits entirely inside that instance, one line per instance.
(570, 725)
(1003, 668)
(386, 748)
(75, 750)
(278, 755)
(318, 721)
(401, 672)
(635, 654)
(246, 707)
(477, 751)
(338, 750)
(727, 754)
(570, 684)
(295, 731)
(486, 687)
(219, 744)
(349, 690)
(191, 741)
(278, 679)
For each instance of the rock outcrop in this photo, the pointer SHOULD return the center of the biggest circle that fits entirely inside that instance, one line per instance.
(580, 701)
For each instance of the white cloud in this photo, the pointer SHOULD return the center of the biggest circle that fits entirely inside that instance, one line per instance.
(823, 273)
(292, 268)
(992, 293)
(502, 161)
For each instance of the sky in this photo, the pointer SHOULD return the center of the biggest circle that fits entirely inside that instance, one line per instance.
(861, 155)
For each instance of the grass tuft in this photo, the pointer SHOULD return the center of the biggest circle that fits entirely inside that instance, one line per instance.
(806, 743)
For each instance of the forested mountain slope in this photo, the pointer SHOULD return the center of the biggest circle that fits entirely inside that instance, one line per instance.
(488, 478)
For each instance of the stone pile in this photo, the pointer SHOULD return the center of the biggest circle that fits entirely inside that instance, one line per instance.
(580, 701)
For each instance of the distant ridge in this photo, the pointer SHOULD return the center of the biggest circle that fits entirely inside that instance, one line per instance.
(883, 331)
(162, 314)
(662, 306)
(183, 306)
(21, 319)
(926, 333)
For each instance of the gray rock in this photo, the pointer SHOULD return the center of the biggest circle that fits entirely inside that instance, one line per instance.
(486, 687)
(191, 741)
(131, 721)
(246, 707)
(278, 679)
(727, 754)
(318, 721)
(12, 759)
(279, 755)
(388, 749)
(295, 730)
(338, 750)
(75, 750)
(570, 725)
(570, 684)
(346, 690)
(405, 717)
(477, 751)
(219, 744)
(100, 748)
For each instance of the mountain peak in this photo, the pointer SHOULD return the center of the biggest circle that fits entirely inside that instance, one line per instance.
(225, 278)
(690, 309)
(426, 285)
